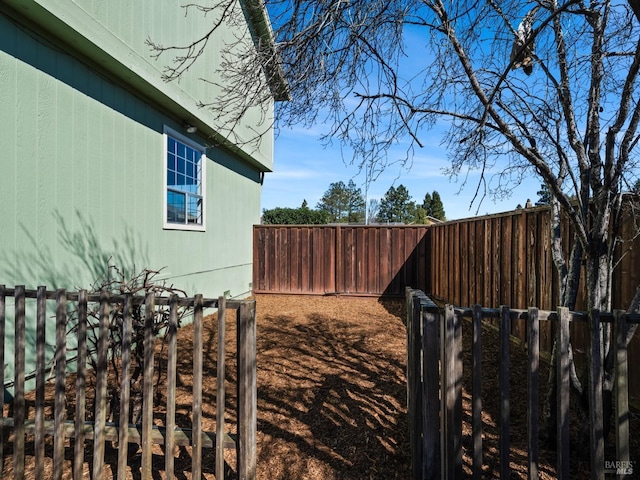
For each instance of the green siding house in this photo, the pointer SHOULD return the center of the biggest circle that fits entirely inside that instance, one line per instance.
(99, 163)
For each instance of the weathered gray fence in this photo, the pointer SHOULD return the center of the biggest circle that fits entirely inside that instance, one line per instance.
(37, 427)
(435, 387)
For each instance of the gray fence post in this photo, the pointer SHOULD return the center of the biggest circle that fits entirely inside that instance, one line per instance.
(596, 440)
(430, 390)
(451, 356)
(247, 395)
(562, 377)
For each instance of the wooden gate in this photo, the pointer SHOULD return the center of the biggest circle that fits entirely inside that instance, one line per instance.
(435, 387)
(34, 426)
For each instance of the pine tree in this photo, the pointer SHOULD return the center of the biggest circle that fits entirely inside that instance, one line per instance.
(432, 205)
(396, 206)
(356, 205)
(437, 208)
(544, 195)
(343, 203)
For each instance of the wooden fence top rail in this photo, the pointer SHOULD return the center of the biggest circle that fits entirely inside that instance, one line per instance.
(119, 298)
(515, 314)
(519, 314)
(343, 225)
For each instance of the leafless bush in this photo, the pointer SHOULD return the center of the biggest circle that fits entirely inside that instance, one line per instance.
(138, 286)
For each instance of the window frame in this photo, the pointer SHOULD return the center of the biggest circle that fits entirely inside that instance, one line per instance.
(167, 225)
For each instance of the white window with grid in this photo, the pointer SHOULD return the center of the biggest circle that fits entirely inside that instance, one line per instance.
(184, 205)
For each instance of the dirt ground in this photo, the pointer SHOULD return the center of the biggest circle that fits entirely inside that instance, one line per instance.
(331, 377)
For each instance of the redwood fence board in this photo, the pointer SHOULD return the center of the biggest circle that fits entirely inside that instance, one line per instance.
(340, 259)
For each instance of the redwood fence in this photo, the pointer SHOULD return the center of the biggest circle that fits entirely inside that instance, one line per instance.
(505, 259)
(435, 389)
(502, 259)
(340, 259)
(33, 426)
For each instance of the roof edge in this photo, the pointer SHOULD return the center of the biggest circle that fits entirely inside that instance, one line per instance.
(268, 49)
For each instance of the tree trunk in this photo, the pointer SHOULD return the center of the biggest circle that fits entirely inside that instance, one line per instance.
(569, 282)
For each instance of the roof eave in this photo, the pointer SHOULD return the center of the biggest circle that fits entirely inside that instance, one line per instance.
(265, 42)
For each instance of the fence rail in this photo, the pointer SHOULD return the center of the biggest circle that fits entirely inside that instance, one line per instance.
(98, 430)
(434, 375)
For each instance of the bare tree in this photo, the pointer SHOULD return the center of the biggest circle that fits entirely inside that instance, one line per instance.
(138, 284)
(569, 116)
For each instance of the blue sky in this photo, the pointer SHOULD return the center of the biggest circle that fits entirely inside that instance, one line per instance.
(304, 169)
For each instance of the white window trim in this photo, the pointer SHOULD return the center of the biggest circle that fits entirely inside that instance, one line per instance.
(167, 132)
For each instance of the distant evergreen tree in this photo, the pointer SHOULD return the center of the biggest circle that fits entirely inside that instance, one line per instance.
(420, 216)
(544, 195)
(343, 203)
(356, 205)
(427, 203)
(396, 206)
(432, 205)
(334, 201)
(437, 208)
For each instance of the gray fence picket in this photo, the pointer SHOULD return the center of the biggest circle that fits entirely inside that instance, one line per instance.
(196, 451)
(220, 386)
(100, 399)
(430, 391)
(18, 395)
(414, 380)
(476, 391)
(621, 390)
(445, 448)
(81, 382)
(505, 405)
(596, 440)
(533, 354)
(125, 385)
(452, 394)
(172, 361)
(41, 315)
(146, 469)
(563, 379)
(60, 385)
(247, 398)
